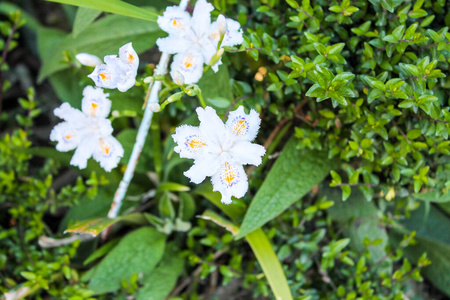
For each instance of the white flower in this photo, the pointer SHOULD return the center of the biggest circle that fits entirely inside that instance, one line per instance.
(88, 59)
(117, 72)
(88, 131)
(195, 36)
(189, 65)
(219, 150)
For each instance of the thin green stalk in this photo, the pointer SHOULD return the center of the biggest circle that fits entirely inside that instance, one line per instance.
(156, 136)
(202, 101)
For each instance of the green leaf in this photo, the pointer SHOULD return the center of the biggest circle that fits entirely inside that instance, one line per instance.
(83, 18)
(433, 238)
(162, 279)
(95, 226)
(113, 6)
(217, 86)
(138, 252)
(221, 221)
(434, 196)
(293, 175)
(360, 220)
(100, 38)
(262, 248)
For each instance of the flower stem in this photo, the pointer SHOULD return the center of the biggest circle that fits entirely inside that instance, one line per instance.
(153, 91)
(156, 135)
(202, 101)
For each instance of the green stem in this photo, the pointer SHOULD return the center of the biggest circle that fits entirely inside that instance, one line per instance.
(202, 101)
(156, 135)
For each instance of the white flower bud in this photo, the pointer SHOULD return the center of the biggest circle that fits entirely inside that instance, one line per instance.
(154, 107)
(149, 79)
(89, 60)
(222, 24)
(178, 78)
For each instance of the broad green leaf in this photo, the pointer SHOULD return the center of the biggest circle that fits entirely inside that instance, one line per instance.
(293, 175)
(95, 226)
(162, 279)
(83, 18)
(434, 196)
(360, 220)
(217, 86)
(100, 38)
(113, 6)
(138, 252)
(127, 139)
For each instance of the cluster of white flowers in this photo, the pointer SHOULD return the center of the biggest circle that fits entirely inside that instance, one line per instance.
(219, 150)
(88, 131)
(195, 40)
(117, 72)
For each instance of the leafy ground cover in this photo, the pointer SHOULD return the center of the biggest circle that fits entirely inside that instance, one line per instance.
(351, 200)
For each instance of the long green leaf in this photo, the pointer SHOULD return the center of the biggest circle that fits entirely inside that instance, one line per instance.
(113, 6)
(83, 18)
(100, 38)
(262, 248)
(270, 264)
(293, 175)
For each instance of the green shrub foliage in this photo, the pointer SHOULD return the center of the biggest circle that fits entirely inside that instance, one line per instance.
(355, 108)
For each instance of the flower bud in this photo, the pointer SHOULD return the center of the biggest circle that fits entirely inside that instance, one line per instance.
(178, 78)
(149, 79)
(216, 57)
(89, 60)
(222, 24)
(154, 107)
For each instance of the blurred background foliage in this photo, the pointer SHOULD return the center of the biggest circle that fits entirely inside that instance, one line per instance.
(353, 193)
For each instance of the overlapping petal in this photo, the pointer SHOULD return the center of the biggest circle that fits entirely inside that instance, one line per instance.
(190, 65)
(190, 142)
(244, 126)
(205, 166)
(230, 180)
(95, 102)
(108, 152)
(174, 20)
(117, 72)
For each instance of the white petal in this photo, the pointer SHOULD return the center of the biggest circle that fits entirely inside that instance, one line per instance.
(127, 80)
(211, 126)
(244, 126)
(95, 102)
(190, 65)
(230, 180)
(88, 59)
(174, 20)
(208, 49)
(108, 152)
(173, 44)
(69, 114)
(246, 153)
(129, 56)
(83, 153)
(201, 17)
(190, 143)
(66, 135)
(215, 67)
(106, 76)
(205, 165)
(233, 36)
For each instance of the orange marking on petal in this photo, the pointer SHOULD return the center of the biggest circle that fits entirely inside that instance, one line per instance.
(189, 62)
(68, 136)
(93, 109)
(239, 127)
(104, 147)
(104, 76)
(196, 144)
(130, 58)
(228, 173)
